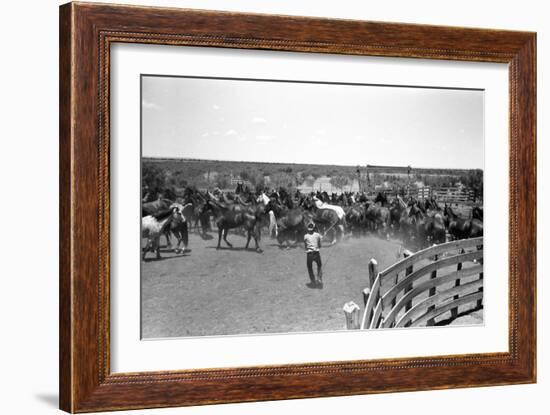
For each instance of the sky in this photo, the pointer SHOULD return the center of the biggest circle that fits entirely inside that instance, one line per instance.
(291, 122)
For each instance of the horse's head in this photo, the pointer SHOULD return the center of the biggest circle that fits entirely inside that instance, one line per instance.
(307, 203)
(477, 213)
(176, 214)
(207, 207)
(381, 198)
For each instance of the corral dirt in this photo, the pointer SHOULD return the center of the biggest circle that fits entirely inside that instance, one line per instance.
(209, 292)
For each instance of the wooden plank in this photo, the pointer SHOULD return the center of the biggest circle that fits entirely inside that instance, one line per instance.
(454, 311)
(433, 291)
(408, 271)
(373, 299)
(455, 292)
(467, 299)
(374, 324)
(428, 285)
(390, 295)
(429, 253)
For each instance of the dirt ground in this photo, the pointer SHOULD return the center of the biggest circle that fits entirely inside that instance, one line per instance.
(209, 292)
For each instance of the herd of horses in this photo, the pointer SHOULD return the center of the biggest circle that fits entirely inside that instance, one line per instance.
(421, 222)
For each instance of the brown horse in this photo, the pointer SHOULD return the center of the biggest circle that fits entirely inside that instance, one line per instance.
(291, 222)
(356, 218)
(154, 207)
(235, 215)
(378, 215)
(460, 228)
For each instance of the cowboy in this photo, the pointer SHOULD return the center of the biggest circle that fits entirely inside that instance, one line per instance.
(312, 243)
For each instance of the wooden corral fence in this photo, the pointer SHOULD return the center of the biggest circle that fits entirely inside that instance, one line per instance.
(421, 287)
(460, 195)
(424, 193)
(447, 194)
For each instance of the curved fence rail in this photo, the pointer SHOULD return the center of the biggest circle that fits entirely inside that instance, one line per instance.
(422, 287)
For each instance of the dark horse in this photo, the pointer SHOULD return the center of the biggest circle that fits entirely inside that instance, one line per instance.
(477, 213)
(378, 215)
(356, 218)
(156, 206)
(291, 222)
(460, 228)
(235, 215)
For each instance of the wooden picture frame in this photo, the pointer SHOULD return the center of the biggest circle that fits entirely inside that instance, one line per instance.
(86, 33)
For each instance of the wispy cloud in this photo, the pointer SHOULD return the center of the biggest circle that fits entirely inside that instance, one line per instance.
(150, 105)
(205, 135)
(259, 120)
(231, 133)
(216, 107)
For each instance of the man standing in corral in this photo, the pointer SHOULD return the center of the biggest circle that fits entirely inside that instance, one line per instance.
(312, 243)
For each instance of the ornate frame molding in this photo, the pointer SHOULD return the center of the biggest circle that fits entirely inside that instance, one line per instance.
(86, 33)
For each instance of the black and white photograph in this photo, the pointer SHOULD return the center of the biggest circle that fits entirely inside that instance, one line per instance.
(289, 206)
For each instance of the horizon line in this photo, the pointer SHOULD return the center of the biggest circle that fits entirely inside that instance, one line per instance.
(309, 164)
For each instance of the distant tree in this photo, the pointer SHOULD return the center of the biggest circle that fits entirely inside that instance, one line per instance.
(258, 180)
(153, 177)
(339, 181)
(283, 179)
(223, 182)
(245, 175)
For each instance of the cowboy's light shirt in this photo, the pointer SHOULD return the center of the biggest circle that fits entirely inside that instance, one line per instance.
(312, 241)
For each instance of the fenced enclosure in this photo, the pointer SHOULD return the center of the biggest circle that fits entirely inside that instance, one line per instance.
(442, 279)
(447, 194)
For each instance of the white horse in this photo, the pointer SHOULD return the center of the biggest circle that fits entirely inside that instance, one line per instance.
(272, 219)
(338, 209)
(153, 226)
(339, 213)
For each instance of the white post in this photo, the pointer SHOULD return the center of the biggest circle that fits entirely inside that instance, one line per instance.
(373, 271)
(351, 311)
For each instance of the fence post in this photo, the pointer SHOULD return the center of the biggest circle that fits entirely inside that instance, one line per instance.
(432, 292)
(454, 311)
(351, 311)
(480, 302)
(408, 271)
(395, 281)
(366, 294)
(373, 271)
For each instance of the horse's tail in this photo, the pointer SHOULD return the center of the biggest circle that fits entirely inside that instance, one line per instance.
(272, 222)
